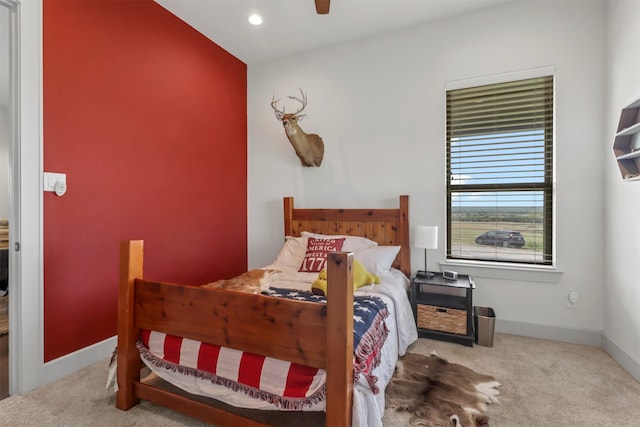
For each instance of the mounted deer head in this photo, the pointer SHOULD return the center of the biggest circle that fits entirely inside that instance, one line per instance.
(309, 147)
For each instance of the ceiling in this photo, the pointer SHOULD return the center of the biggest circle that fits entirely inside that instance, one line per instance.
(289, 27)
(292, 26)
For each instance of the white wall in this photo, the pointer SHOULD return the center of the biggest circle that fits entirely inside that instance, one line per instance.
(379, 105)
(622, 288)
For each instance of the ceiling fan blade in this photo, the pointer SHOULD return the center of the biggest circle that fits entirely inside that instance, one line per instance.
(322, 6)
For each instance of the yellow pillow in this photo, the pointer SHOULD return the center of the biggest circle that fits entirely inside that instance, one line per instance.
(361, 277)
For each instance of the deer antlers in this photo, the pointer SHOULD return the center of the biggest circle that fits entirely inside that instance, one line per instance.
(280, 113)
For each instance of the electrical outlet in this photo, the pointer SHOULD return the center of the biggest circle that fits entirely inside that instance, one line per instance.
(572, 299)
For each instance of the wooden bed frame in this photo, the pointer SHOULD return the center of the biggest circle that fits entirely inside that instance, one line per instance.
(321, 337)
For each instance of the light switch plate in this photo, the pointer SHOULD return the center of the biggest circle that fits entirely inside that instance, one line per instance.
(51, 178)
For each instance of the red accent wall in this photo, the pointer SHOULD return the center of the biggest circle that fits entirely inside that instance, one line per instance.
(147, 118)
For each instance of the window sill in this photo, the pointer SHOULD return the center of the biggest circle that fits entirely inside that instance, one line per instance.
(518, 272)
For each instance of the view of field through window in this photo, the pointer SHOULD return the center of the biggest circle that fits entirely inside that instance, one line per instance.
(501, 215)
(471, 222)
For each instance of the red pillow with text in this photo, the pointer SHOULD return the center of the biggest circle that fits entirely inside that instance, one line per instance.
(315, 259)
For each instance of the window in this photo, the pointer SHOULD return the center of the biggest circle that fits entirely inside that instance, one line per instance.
(500, 172)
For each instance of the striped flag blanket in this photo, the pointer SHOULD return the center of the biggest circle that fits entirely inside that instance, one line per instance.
(287, 385)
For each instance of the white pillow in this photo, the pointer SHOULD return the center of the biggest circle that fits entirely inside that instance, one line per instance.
(351, 243)
(292, 252)
(377, 259)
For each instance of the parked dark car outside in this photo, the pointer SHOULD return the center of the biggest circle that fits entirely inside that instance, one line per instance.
(506, 238)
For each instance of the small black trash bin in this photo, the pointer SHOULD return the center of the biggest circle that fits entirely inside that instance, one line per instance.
(484, 322)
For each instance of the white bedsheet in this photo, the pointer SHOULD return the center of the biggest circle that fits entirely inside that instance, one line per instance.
(368, 408)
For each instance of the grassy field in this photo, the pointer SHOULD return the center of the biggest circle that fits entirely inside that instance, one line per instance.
(465, 232)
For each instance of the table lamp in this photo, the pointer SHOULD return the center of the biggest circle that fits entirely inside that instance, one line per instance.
(426, 237)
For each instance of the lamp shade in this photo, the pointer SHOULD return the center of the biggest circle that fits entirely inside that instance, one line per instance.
(426, 237)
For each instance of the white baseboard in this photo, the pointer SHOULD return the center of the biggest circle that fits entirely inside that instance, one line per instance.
(72, 362)
(627, 362)
(554, 333)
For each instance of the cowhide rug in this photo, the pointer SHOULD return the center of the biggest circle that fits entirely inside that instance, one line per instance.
(440, 394)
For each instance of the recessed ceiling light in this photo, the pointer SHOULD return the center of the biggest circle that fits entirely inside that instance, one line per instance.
(255, 19)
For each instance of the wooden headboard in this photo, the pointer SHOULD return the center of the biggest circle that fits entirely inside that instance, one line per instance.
(387, 227)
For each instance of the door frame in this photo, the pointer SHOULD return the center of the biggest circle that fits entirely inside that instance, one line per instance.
(26, 349)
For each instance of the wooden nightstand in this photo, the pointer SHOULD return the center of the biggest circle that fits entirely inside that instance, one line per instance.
(443, 308)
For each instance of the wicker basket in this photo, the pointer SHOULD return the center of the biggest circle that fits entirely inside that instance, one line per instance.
(442, 319)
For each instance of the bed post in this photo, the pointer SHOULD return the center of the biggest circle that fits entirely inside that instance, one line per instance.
(131, 257)
(339, 339)
(288, 215)
(403, 236)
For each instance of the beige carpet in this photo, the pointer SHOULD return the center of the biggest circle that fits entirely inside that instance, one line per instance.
(544, 384)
